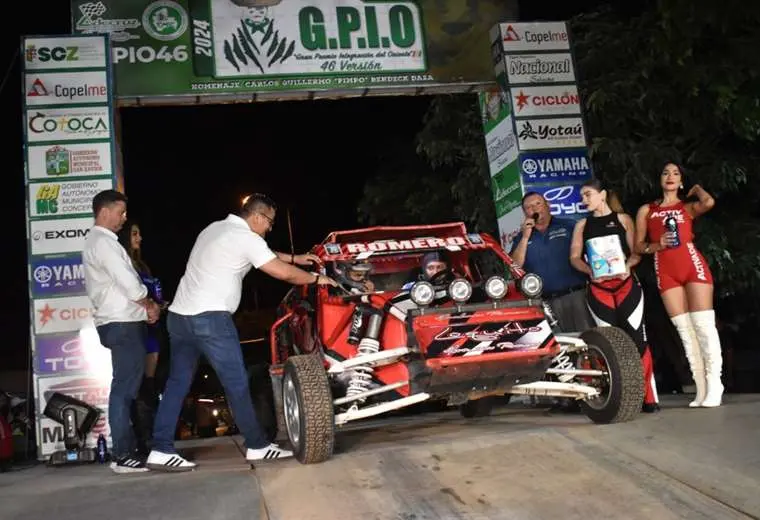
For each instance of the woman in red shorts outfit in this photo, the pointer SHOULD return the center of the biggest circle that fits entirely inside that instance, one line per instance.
(664, 228)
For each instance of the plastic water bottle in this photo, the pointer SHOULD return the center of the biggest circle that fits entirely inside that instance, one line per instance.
(671, 226)
(102, 449)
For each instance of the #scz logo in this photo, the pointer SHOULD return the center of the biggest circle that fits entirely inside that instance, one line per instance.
(565, 200)
(46, 54)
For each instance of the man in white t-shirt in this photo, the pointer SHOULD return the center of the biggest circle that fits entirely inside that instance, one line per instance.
(200, 322)
(122, 308)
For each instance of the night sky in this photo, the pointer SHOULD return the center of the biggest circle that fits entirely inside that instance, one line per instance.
(188, 166)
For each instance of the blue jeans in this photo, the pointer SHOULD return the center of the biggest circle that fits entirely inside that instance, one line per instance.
(126, 341)
(214, 335)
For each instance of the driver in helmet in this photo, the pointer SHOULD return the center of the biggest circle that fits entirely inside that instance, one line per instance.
(434, 268)
(354, 277)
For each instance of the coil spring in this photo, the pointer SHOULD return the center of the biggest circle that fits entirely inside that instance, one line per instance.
(564, 362)
(361, 377)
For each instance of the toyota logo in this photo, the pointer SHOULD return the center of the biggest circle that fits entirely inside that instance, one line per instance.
(529, 166)
(558, 194)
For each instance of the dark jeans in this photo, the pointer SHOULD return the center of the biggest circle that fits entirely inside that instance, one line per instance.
(214, 335)
(126, 341)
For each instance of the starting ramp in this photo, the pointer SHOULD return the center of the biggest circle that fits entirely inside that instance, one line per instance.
(524, 463)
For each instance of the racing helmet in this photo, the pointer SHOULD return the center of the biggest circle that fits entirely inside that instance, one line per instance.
(438, 274)
(352, 274)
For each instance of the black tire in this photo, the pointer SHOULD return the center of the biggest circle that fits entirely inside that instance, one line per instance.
(478, 408)
(305, 382)
(625, 396)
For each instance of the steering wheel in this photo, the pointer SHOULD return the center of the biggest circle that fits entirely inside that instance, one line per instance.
(441, 278)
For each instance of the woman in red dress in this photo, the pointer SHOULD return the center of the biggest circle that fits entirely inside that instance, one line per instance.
(665, 228)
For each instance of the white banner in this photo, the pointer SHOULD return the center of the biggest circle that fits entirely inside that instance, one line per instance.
(65, 198)
(535, 36)
(545, 134)
(69, 160)
(76, 52)
(501, 145)
(509, 226)
(69, 314)
(59, 236)
(92, 390)
(540, 68)
(68, 124)
(60, 88)
(552, 100)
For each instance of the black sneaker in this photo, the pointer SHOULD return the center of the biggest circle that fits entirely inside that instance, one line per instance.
(129, 464)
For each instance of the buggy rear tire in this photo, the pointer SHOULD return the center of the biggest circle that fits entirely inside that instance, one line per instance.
(625, 395)
(481, 407)
(308, 409)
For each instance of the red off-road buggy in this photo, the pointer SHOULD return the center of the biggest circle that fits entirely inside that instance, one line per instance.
(474, 332)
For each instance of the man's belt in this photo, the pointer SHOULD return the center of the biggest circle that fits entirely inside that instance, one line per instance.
(563, 292)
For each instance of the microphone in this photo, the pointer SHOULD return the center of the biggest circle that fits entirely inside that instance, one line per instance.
(534, 217)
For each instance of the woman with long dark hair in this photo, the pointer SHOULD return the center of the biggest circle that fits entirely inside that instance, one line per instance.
(145, 405)
(664, 228)
(602, 248)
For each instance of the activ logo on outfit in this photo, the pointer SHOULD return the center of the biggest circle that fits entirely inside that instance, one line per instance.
(544, 36)
(56, 88)
(552, 100)
(56, 315)
(58, 276)
(559, 166)
(51, 237)
(564, 200)
(543, 134)
(70, 160)
(68, 52)
(540, 68)
(64, 198)
(68, 124)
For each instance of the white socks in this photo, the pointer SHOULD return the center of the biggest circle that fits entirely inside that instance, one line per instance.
(683, 324)
(709, 342)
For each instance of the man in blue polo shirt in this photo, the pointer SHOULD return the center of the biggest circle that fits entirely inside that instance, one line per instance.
(543, 247)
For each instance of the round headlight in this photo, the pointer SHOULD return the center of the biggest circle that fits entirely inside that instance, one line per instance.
(531, 285)
(460, 290)
(422, 293)
(496, 287)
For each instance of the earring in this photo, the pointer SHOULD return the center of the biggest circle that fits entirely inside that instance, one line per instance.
(680, 187)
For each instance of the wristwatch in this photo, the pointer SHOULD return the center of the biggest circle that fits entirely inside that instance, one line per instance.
(648, 248)
(316, 279)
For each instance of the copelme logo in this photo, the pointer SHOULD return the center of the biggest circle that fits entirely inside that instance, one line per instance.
(65, 89)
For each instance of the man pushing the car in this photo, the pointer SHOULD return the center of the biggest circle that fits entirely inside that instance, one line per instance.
(200, 322)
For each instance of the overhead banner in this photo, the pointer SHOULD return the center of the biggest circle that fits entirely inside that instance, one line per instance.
(69, 157)
(195, 47)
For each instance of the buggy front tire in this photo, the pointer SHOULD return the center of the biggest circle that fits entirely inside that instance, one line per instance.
(308, 409)
(624, 393)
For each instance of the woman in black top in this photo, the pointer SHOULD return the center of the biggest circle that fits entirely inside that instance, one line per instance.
(602, 248)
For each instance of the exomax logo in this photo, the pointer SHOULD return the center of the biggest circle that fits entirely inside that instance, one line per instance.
(50, 237)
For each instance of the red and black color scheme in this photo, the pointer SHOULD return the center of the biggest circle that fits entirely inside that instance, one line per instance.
(620, 303)
(482, 343)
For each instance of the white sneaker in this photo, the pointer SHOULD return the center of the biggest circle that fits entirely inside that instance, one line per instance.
(161, 461)
(270, 452)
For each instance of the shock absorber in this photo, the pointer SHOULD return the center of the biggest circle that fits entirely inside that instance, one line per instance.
(562, 360)
(361, 376)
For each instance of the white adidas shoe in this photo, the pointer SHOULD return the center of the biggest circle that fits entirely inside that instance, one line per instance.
(161, 461)
(270, 452)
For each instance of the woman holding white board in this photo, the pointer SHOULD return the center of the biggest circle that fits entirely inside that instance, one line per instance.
(602, 248)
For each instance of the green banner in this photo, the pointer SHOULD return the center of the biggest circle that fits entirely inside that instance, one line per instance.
(193, 47)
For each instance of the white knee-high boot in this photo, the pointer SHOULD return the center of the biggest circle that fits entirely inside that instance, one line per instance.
(709, 343)
(683, 324)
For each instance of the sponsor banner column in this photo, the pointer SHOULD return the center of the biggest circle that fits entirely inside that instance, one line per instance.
(502, 152)
(69, 157)
(539, 72)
